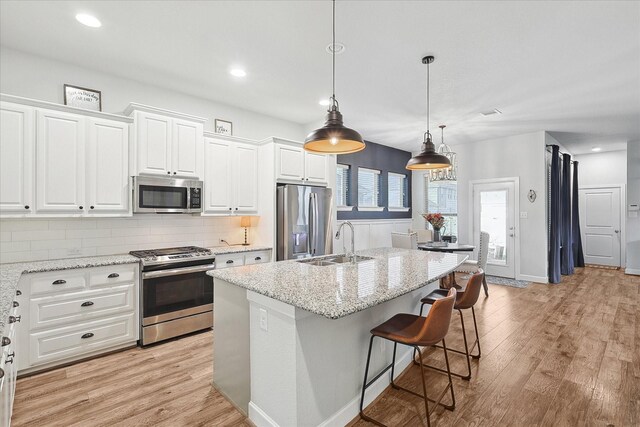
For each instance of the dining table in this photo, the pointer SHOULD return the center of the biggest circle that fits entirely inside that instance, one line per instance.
(450, 280)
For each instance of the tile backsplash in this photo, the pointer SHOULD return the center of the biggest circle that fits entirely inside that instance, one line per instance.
(42, 239)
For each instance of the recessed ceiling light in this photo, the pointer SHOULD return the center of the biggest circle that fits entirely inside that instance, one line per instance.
(238, 72)
(338, 47)
(596, 149)
(88, 20)
(325, 102)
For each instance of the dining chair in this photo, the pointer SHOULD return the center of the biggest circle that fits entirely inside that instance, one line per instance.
(424, 236)
(473, 266)
(404, 240)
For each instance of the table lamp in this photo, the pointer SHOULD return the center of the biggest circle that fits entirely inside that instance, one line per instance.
(245, 222)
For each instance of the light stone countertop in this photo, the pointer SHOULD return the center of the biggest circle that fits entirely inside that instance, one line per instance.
(339, 290)
(10, 273)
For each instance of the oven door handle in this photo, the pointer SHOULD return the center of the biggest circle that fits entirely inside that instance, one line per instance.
(178, 271)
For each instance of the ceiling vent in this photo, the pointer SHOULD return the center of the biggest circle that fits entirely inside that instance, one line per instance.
(491, 112)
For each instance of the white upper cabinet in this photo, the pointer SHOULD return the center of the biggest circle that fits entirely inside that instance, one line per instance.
(315, 167)
(60, 173)
(218, 176)
(246, 178)
(107, 167)
(293, 164)
(231, 177)
(167, 143)
(153, 142)
(289, 163)
(187, 148)
(17, 141)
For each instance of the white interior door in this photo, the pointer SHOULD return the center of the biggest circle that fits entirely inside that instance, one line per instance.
(600, 225)
(494, 211)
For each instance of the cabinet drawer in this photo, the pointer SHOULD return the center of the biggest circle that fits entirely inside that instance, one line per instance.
(81, 306)
(112, 275)
(230, 260)
(257, 257)
(57, 344)
(58, 281)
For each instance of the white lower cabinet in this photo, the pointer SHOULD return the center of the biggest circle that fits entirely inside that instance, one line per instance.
(71, 314)
(9, 356)
(242, 258)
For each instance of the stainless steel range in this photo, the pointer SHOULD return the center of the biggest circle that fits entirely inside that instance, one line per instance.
(176, 295)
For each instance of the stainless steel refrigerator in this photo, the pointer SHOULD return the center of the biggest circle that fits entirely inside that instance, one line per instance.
(304, 226)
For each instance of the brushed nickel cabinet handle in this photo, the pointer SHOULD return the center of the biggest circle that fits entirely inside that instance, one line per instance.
(14, 319)
(113, 275)
(230, 261)
(87, 335)
(1, 373)
(16, 304)
(6, 341)
(18, 292)
(258, 258)
(59, 282)
(87, 304)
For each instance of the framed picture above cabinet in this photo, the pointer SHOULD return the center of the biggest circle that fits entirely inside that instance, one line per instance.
(223, 127)
(82, 97)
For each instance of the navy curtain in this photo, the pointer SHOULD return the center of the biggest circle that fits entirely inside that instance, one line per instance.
(555, 217)
(578, 255)
(566, 252)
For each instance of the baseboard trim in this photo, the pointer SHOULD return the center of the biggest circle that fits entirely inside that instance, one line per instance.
(633, 271)
(536, 279)
(348, 412)
(259, 417)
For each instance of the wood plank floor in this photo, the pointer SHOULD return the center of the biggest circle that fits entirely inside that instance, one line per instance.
(552, 355)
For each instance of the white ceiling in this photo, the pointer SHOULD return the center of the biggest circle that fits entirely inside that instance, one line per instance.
(572, 68)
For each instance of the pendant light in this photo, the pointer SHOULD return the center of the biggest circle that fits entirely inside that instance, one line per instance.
(334, 137)
(449, 173)
(428, 158)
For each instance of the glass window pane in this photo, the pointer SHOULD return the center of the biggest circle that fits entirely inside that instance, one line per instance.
(342, 185)
(442, 197)
(493, 220)
(397, 190)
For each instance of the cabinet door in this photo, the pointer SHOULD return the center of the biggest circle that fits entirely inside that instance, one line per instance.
(289, 163)
(217, 177)
(17, 140)
(245, 179)
(187, 148)
(315, 167)
(153, 141)
(60, 162)
(107, 167)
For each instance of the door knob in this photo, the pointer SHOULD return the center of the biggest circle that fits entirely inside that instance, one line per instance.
(511, 235)
(617, 231)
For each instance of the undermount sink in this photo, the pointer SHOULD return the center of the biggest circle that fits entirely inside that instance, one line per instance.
(334, 260)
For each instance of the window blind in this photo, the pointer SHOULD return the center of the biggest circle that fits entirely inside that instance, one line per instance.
(342, 185)
(397, 186)
(368, 187)
(442, 197)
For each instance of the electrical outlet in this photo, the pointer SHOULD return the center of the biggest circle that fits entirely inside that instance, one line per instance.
(264, 321)
(524, 215)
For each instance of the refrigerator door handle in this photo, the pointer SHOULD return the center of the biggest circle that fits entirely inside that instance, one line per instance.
(316, 228)
(310, 242)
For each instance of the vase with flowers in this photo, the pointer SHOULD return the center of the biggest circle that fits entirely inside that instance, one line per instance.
(437, 222)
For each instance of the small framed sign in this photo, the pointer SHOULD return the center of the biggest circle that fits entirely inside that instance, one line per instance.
(82, 97)
(223, 127)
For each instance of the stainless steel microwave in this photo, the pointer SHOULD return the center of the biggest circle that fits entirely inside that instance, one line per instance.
(166, 195)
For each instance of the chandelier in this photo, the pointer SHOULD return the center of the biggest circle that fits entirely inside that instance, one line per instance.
(449, 173)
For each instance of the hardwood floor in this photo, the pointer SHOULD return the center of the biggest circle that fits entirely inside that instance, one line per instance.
(552, 355)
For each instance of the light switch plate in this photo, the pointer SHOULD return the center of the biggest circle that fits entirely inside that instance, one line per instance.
(524, 215)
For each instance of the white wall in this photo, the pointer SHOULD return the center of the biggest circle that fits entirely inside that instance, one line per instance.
(521, 156)
(633, 197)
(605, 168)
(30, 76)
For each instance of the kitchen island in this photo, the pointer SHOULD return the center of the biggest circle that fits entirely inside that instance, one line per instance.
(291, 337)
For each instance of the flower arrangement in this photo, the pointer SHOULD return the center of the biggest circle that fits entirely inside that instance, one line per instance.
(436, 220)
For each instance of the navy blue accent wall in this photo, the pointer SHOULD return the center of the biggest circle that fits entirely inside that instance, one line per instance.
(382, 158)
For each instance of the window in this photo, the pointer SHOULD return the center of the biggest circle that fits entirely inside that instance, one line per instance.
(397, 191)
(442, 197)
(342, 185)
(368, 188)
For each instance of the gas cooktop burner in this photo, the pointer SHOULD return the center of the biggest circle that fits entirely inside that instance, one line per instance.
(168, 255)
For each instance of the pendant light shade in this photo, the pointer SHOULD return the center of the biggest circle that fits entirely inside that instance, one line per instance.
(334, 137)
(428, 157)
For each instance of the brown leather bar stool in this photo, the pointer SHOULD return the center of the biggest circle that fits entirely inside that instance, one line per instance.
(465, 299)
(415, 331)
